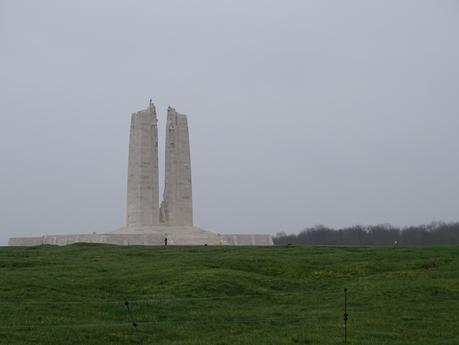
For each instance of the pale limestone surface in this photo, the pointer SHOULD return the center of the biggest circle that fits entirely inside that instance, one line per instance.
(147, 223)
(143, 189)
(149, 237)
(177, 205)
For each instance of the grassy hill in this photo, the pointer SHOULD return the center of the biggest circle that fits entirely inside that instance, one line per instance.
(228, 295)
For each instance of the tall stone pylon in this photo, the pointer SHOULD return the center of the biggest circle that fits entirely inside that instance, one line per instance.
(177, 204)
(143, 186)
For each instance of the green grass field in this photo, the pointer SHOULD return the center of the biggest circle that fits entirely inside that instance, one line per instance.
(228, 295)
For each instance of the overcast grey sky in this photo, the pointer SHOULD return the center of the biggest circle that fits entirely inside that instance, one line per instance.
(300, 112)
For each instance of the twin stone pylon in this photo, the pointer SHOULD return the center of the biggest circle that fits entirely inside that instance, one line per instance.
(148, 222)
(143, 209)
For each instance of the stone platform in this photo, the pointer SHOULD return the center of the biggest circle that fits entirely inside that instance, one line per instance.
(149, 236)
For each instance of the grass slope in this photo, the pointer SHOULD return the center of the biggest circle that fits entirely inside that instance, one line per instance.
(228, 295)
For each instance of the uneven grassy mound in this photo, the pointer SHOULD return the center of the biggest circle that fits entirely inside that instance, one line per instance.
(228, 295)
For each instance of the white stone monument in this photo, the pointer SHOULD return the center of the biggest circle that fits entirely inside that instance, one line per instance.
(148, 223)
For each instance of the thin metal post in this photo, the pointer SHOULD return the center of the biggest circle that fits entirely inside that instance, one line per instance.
(346, 315)
(131, 317)
(134, 324)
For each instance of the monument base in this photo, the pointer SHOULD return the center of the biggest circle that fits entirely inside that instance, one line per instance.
(149, 236)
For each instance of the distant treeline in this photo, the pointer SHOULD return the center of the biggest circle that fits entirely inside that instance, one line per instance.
(431, 234)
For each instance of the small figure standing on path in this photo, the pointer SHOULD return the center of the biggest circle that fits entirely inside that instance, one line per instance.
(165, 241)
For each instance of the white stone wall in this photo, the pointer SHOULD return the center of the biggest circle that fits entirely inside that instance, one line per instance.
(143, 185)
(176, 236)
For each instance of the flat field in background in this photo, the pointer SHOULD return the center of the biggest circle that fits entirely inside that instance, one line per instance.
(228, 295)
